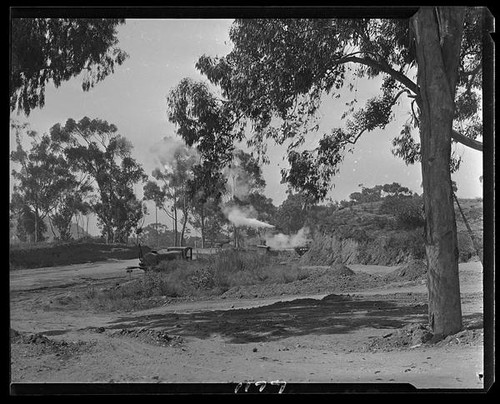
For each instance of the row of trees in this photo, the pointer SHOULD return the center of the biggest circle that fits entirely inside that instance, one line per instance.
(78, 168)
(85, 167)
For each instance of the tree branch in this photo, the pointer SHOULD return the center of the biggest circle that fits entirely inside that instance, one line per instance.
(474, 71)
(383, 67)
(170, 215)
(466, 141)
(391, 105)
(472, 75)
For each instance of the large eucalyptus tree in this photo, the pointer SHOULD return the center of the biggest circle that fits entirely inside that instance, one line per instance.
(279, 72)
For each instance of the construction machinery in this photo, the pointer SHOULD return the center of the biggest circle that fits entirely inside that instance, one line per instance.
(151, 259)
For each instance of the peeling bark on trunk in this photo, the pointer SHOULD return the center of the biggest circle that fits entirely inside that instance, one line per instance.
(438, 33)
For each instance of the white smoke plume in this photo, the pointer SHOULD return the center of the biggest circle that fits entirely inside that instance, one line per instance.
(239, 184)
(242, 216)
(282, 241)
(167, 149)
(238, 180)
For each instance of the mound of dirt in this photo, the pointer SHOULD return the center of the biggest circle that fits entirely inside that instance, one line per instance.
(465, 337)
(336, 298)
(411, 271)
(411, 335)
(150, 336)
(61, 348)
(414, 336)
(317, 280)
(340, 269)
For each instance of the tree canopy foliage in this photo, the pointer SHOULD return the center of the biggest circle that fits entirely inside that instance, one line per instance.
(377, 192)
(279, 71)
(94, 147)
(43, 182)
(57, 49)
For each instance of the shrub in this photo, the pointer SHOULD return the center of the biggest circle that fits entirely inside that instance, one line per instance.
(162, 284)
(408, 211)
(412, 242)
(171, 265)
(353, 232)
(233, 268)
(212, 276)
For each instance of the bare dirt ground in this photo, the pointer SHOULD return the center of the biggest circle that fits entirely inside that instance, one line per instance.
(360, 330)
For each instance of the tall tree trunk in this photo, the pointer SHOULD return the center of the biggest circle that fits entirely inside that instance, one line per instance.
(184, 223)
(156, 227)
(176, 237)
(438, 33)
(52, 229)
(77, 226)
(185, 216)
(202, 219)
(36, 224)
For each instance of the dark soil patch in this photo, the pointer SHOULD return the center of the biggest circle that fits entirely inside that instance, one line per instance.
(334, 314)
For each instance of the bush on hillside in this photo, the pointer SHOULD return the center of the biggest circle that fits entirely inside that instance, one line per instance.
(352, 232)
(408, 211)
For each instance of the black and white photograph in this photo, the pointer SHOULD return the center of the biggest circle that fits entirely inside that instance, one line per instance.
(251, 200)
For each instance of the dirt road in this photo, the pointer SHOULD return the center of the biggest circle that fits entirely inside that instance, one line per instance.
(320, 338)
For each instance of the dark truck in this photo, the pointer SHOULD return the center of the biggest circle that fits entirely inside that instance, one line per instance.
(154, 257)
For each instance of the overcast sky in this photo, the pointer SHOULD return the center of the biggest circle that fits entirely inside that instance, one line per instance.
(162, 52)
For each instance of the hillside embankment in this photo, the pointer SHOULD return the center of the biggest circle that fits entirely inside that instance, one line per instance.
(362, 234)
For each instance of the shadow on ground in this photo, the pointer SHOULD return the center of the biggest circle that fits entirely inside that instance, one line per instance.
(334, 314)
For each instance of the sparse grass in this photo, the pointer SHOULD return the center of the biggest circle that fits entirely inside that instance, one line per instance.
(205, 277)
